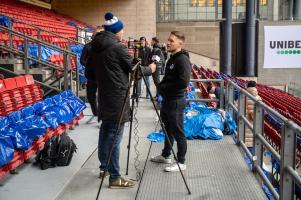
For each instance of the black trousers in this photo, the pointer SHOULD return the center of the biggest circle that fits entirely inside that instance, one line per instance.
(156, 78)
(91, 96)
(172, 114)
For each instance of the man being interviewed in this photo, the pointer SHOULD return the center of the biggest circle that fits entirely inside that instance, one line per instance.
(172, 88)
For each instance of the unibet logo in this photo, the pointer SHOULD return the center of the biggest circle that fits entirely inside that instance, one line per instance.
(286, 47)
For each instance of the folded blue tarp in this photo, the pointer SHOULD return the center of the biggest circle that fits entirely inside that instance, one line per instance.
(6, 150)
(33, 52)
(81, 69)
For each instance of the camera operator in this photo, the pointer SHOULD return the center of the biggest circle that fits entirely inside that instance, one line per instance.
(113, 65)
(158, 52)
(144, 53)
(172, 88)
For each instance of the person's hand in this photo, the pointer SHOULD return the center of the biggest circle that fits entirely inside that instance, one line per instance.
(153, 67)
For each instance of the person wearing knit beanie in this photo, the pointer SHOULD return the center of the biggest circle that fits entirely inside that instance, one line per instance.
(112, 23)
(112, 64)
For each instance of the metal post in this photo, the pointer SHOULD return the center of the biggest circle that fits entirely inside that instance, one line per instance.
(250, 37)
(66, 68)
(288, 140)
(76, 33)
(10, 36)
(241, 112)
(221, 98)
(216, 9)
(26, 65)
(39, 47)
(227, 95)
(297, 10)
(258, 130)
(226, 39)
(77, 79)
(291, 10)
(231, 99)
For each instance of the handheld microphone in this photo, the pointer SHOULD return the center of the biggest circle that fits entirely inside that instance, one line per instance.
(155, 59)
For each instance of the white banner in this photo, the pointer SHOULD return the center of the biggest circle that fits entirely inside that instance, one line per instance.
(282, 47)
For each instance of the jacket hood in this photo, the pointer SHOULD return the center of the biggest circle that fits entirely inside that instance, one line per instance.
(182, 52)
(103, 40)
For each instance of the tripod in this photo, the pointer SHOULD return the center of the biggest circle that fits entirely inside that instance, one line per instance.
(136, 72)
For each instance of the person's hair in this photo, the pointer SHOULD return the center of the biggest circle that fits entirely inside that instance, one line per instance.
(251, 84)
(209, 87)
(99, 27)
(142, 38)
(156, 39)
(179, 35)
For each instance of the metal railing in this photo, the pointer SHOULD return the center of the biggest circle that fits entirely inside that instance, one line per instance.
(288, 175)
(85, 37)
(220, 100)
(40, 30)
(66, 76)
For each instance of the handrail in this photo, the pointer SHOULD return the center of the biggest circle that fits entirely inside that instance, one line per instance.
(288, 175)
(41, 83)
(66, 68)
(41, 29)
(36, 40)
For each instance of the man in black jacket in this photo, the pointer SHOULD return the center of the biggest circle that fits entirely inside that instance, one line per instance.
(90, 75)
(172, 88)
(145, 56)
(113, 65)
(157, 51)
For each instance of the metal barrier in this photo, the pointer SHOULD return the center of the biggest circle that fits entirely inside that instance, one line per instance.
(288, 175)
(67, 75)
(40, 30)
(222, 94)
(78, 36)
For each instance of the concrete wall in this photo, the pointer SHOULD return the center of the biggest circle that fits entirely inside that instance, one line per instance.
(201, 37)
(139, 17)
(277, 77)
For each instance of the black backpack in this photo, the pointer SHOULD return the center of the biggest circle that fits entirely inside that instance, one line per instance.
(58, 151)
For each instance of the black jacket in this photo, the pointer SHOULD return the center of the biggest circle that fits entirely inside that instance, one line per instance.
(113, 65)
(158, 51)
(177, 76)
(89, 71)
(145, 55)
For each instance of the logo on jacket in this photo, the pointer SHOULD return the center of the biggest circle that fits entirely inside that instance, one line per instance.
(172, 66)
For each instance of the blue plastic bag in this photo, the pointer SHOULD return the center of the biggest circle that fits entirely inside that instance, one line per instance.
(34, 127)
(230, 124)
(156, 136)
(6, 150)
(202, 124)
(76, 104)
(4, 21)
(17, 135)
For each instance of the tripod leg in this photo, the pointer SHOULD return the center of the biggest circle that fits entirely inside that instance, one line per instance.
(134, 98)
(164, 130)
(114, 137)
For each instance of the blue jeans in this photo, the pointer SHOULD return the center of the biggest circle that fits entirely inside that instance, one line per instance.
(106, 135)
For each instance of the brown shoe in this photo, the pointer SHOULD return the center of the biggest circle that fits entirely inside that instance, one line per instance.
(101, 174)
(121, 183)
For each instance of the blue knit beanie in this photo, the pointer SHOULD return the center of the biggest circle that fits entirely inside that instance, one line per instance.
(112, 23)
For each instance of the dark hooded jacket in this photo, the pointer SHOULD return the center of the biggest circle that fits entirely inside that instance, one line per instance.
(177, 76)
(113, 65)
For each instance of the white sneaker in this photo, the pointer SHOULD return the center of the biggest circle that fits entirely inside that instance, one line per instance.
(174, 167)
(92, 120)
(161, 159)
